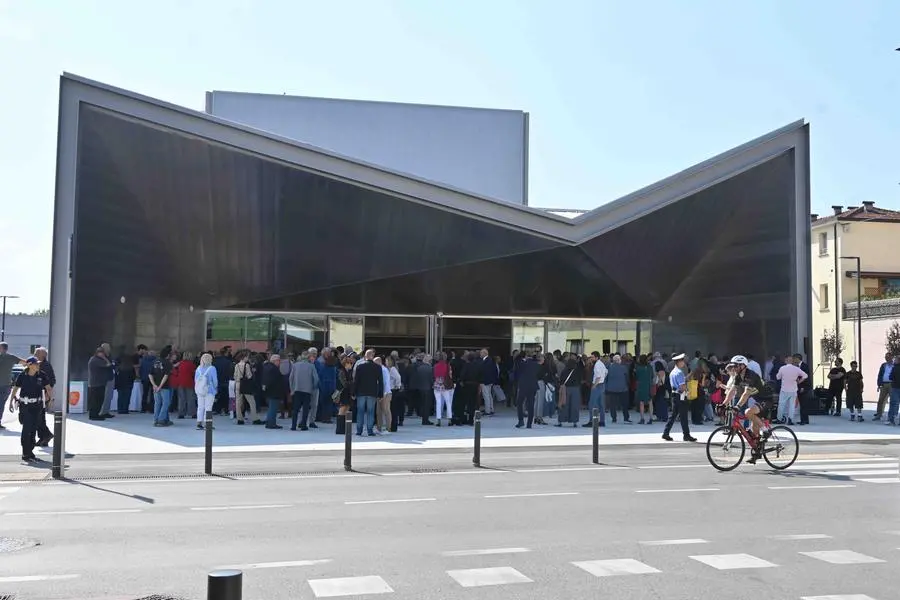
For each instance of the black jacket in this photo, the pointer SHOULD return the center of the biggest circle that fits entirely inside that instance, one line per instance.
(47, 369)
(528, 375)
(368, 380)
(273, 381)
(880, 379)
(421, 377)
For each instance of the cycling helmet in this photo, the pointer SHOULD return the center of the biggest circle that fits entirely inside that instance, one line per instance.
(739, 360)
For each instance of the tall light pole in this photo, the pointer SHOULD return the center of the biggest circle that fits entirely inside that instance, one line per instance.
(858, 309)
(3, 321)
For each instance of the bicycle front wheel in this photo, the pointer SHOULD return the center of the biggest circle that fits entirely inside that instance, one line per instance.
(725, 448)
(782, 448)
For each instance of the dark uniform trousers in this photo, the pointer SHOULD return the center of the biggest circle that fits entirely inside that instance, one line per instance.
(680, 412)
(525, 405)
(28, 416)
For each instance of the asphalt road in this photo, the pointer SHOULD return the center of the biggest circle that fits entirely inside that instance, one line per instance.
(649, 523)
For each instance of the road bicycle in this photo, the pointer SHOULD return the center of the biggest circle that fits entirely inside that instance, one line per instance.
(727, 444)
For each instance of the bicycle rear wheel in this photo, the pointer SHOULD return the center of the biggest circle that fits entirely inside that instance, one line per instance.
(782, 448)
(725, 448)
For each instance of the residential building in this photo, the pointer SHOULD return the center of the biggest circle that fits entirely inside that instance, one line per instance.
(872, 234)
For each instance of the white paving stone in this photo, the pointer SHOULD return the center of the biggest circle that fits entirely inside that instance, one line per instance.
(727, 562)
(491, 576)
(349, 586)
(842, 557)
(619, 566)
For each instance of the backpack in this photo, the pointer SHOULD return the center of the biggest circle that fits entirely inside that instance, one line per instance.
(201, 381)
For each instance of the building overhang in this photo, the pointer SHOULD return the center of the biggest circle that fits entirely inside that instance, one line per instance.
(77, 91)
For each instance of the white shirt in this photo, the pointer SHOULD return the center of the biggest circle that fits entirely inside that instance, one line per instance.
(396, 380)
(386, 376)
(754, 366)
(600, 372)
(790, 375)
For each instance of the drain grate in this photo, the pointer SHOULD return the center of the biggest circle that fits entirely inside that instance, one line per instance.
(280, 473)
(159, 597)
(7, 597)
(119, 476)
(236, 474)
(15, 544)
(428, 470)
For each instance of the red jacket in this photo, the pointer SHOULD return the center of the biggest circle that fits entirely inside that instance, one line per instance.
(183, 374)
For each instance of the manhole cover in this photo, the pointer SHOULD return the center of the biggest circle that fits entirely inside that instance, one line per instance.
(14, 544)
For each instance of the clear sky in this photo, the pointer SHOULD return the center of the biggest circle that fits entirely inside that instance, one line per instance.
(621, 92)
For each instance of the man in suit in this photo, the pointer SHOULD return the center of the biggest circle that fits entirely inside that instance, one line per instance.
(490, 376)
(527, 378)
(804, 390)
(884, 385)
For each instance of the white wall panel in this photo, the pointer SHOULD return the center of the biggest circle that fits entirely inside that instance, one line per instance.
(481, 151)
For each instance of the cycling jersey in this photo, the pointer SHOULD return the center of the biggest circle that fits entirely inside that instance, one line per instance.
(750, 381)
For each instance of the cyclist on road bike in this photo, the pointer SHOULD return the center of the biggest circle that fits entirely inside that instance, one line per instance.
(755, 394)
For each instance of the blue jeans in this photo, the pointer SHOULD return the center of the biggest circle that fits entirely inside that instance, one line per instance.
(272, 412)
(365, 411)
(161, 402)
(895, 404)
(596, 401)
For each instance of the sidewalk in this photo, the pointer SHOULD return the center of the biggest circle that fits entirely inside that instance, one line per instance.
(134, 434)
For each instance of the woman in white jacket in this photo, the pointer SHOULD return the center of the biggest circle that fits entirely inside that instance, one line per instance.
(206, 383)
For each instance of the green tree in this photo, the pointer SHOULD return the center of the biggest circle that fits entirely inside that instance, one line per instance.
(832, 345)
(892, 339)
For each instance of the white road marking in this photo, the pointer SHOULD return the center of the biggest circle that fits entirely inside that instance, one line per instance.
(537, 495)
(279, 565)
(675, 491)
(727, 562)
(602, 468)
(241, 507)
(870, 459)
(842, 557)
(75, 512)
(839, 597)
(866, 473)
(608, 568)
(490, 576)
(811, 487)
(674, 542)
(30, 578)
(349, 586)
(802, 536)
(696, 466)
(397, 500)
(485, 552)
(879, 480)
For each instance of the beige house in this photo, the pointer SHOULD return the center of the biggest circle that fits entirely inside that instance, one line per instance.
(871, 234)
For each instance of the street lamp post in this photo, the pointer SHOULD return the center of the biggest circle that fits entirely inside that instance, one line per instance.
(858, 309)
(3, 320)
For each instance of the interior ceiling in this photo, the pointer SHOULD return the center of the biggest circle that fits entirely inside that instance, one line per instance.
(163, 214)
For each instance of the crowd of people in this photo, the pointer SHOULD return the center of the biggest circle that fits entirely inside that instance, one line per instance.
(383, 391)
(446, 389)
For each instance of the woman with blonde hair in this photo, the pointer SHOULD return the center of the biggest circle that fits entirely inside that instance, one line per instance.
(206, 384)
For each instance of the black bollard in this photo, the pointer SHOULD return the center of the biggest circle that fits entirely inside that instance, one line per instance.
(476, 458)
(208, 426)
(595, 421)
(348, 442)
(225, 584)
(58, 445)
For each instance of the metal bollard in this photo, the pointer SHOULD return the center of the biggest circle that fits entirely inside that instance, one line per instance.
(225, 584)
(348, 442)
(58, 445)
(208, 426)
(595, 421)
(476, 459)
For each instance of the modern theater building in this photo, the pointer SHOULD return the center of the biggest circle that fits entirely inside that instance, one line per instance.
(274, 223)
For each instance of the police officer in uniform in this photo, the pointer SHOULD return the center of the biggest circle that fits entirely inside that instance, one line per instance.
(31, 392)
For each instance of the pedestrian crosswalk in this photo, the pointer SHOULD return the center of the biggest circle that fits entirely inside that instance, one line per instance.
(874, 469)
(508, 573)
(7, 490)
